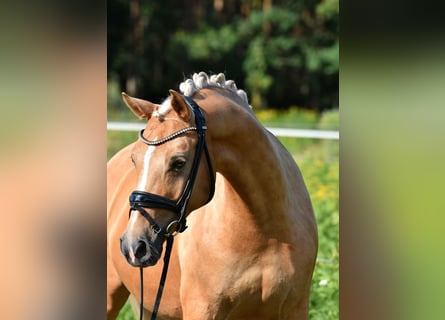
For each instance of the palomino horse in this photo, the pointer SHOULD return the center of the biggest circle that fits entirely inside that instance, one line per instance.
(250, 246)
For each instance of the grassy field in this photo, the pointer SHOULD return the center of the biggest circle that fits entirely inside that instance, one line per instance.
(319, 163)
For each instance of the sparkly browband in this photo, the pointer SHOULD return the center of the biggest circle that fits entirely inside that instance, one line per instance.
(164, 140)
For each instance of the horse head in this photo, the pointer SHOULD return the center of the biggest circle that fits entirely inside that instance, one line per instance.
(170, 180)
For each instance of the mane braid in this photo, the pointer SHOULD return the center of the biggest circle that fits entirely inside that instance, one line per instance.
(202, 80)
(165, 139)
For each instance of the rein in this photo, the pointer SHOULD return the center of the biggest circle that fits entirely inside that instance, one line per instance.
(139, 200)
(161, 282)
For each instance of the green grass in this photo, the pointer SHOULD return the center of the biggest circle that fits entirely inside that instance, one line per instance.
(126, 313)
(319, 163)
(116, 140)
(320, 167)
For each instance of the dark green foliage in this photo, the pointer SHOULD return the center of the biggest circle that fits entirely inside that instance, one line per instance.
(283, 55)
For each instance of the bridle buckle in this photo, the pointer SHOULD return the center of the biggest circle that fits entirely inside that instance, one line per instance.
(174, 228)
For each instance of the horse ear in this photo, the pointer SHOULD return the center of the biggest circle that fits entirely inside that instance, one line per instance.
(141, 108)
(179, 105)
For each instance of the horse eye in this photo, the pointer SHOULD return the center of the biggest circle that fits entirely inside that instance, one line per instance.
(177, 164)
(132, 160)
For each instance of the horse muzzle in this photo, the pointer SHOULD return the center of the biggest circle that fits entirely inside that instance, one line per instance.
(141, 252)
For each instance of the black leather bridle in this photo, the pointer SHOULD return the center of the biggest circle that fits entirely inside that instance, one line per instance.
(140, 200)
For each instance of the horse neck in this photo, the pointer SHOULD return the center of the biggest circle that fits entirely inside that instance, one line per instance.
(251, 171)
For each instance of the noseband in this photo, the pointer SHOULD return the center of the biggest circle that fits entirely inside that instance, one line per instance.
(141, 199)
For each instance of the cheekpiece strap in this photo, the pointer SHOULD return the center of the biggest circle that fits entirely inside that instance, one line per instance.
(141, 199)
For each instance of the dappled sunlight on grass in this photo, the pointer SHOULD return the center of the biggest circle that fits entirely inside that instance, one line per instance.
(294, 117)
(320, 167)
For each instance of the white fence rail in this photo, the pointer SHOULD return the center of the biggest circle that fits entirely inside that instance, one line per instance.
(279, 132)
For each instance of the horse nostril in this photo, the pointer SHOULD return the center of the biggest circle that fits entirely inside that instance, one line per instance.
(141, 249)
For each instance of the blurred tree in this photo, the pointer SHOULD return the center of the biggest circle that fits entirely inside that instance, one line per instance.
(283, 52)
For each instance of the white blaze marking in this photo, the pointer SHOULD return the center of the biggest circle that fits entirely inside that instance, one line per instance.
(133, 219)
(132, 256)
(143, 179)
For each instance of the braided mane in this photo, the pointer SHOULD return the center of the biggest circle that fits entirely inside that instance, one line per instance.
(199, 81)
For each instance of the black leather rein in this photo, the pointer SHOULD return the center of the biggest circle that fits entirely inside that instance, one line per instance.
(139, 200)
